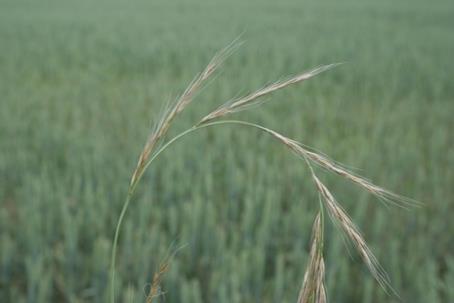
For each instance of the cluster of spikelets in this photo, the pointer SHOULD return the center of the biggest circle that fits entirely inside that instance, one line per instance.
(313, 289)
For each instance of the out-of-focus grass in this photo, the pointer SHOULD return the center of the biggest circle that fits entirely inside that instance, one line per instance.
(79, 83)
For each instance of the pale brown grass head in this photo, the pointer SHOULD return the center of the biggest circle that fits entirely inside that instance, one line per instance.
(252, 99)
(330, 165)
(341, 220)
(155, 289)
(161, 128)
(313, 288)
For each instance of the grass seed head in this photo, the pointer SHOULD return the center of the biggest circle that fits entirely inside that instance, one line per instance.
(313, 288)
(344, 223)
(182, 102)
(251, 99)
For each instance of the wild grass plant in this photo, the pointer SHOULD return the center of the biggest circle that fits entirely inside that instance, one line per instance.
(313, 289)
(79, 81)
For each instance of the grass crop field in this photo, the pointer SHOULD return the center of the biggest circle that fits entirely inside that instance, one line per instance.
(82, 82)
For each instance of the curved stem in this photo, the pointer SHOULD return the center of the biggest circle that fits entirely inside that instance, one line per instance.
(133, 186)
(192, 129)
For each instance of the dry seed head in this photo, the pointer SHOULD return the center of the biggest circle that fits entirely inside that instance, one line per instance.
(313, 288)
(200, 79)
(300, 150)
(378, 191)
(343, 221)
(332, 166)
(252, 98)
(168, 116)
(155, 289)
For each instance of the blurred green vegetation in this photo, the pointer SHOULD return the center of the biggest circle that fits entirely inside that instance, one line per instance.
(81, 81)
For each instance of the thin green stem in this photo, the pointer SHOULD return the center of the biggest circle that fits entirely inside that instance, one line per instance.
(115, 244)
(133, 186)
(192, 129)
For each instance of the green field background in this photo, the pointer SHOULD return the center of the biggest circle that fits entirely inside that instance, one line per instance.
(81, 83)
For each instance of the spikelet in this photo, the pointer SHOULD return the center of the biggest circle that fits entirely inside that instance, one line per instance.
(252, 98)
(381, 193)
(344, 223)
(330, 165)
(313, 288)
(155, 289)
(169, 115)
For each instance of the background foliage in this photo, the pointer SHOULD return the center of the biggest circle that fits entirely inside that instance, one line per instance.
(80, 81)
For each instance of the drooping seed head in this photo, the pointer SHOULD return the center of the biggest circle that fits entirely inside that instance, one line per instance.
(313, 288)
(344, 223)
